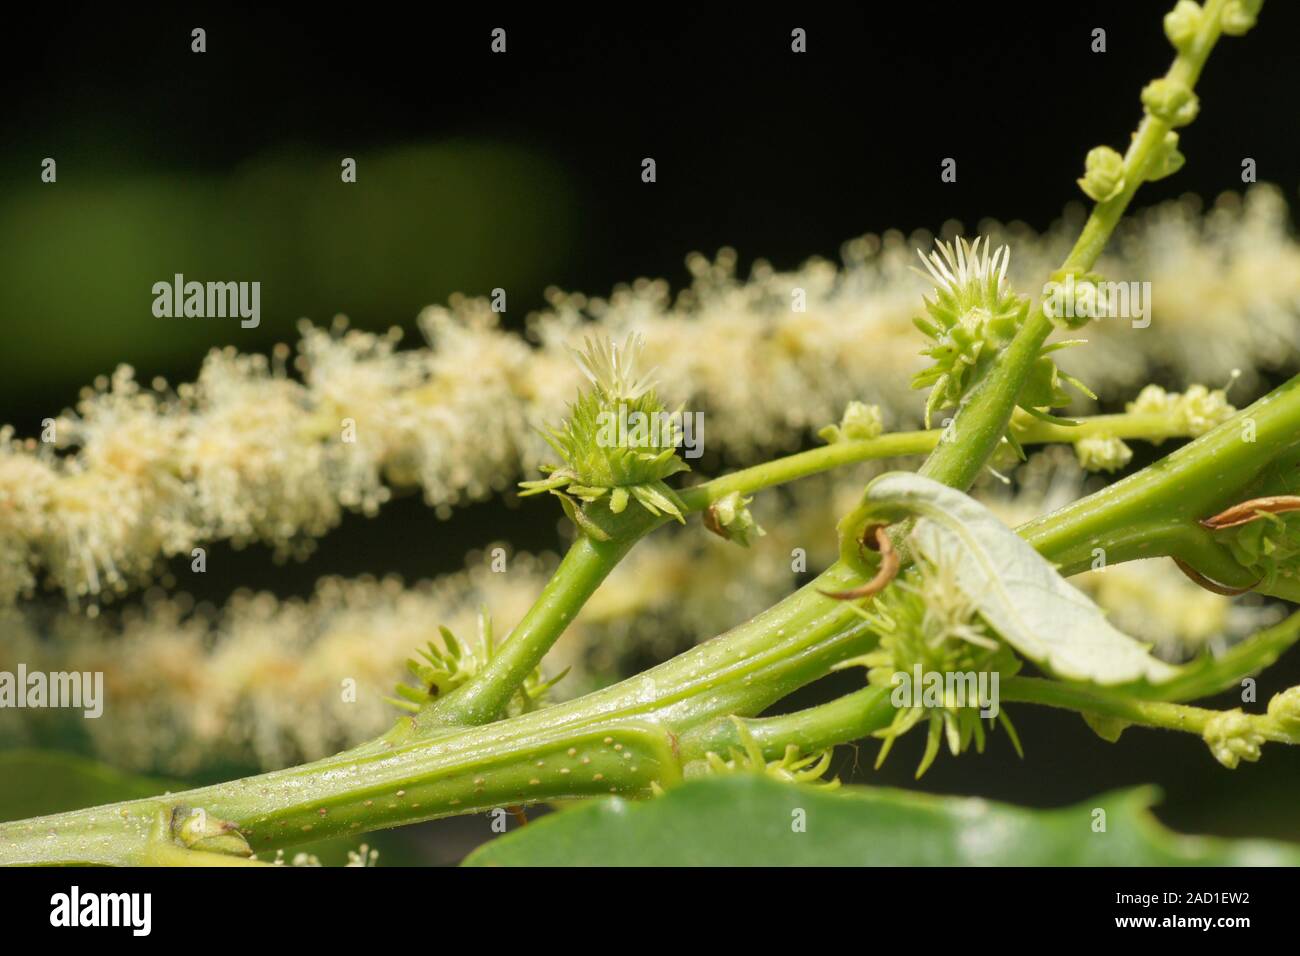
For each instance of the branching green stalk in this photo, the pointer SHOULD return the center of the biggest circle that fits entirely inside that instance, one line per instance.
(1149, 426)
(1157, 507)
(484, 698)
(1148, 713)
(637, 735)
(407, 777)
(981, 424)
(622, 739)
(588, 562)
(803, 464)
(985, 412)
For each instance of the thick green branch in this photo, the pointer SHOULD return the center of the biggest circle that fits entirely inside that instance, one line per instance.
(1157, 507)
(622, 739)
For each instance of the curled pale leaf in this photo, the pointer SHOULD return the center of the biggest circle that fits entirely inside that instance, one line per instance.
(1017, 592)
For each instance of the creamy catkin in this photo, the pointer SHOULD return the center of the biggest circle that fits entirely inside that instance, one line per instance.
(250, 453)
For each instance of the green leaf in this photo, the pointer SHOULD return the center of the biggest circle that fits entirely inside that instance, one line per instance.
(1019, 594)
(753, 821)
(41, 782)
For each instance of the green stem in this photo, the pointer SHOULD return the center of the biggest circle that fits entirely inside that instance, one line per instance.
(1193, 482)
(1148, 426)
(1149, 713)
(622, 739)
(588, 562)
(811, 462)
(985, 411)
(839, 721)
(484, 697)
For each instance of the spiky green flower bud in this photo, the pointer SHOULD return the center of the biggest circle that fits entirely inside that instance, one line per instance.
(929, 628)
(791, 767)
(1170, 101)
(619, 441)
(441, 669)
(972, 317)
(1103, 176)
(1182, 22)
(860, 422)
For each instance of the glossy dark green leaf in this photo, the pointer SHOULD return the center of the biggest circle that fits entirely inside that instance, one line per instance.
(754, 821)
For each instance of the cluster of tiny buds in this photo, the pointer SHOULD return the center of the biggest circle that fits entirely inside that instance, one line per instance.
(1168, 99)
(1232, 737)
(1184, 23)
(1103, 453)
(1284, 709)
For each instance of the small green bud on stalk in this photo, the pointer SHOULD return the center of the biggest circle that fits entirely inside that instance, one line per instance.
(1284, 709)
(1170, 101)
(1103, 176)
(1182, 23)
(1102, 453)
(196, 829)
(729, 518)
(1168, 160)
(1239, 16)
(860, 422)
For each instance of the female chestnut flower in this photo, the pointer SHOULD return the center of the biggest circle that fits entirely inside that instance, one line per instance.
(972, 317)
(445, 667)
(793, 766)
(619, 442)
(928, 627)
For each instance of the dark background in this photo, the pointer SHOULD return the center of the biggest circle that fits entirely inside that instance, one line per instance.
(523, 170)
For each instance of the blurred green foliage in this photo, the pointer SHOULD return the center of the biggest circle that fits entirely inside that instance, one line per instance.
(420, 222)
(749, 820)
(40, 782)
